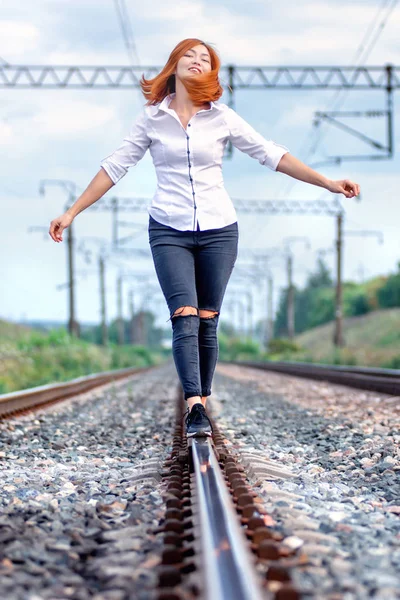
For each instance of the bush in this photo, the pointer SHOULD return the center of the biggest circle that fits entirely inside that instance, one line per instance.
(394, 363)
(237, 349)
(42, 359)
(358, 305)
(280, 345)
(130, 356)
(343, 356)
(389, 293)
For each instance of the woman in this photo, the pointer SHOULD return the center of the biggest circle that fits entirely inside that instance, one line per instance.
(193, 229)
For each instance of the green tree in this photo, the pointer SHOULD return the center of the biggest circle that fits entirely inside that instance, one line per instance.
(321, 277)
(314, 304)
(389, 293)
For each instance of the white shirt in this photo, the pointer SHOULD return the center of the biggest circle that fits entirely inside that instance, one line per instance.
(188, 162)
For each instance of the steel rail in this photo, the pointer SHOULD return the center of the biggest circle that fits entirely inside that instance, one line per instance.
(218, 541)
(386, 381)
(229, 573)
(45, 394)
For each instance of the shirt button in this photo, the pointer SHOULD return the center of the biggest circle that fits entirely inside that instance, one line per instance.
(189, 125)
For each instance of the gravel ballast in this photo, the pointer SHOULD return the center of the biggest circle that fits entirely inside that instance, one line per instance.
(326, 460)
(81, 493)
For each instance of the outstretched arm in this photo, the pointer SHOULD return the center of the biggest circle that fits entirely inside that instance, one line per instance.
(290, 165)
(99, 185)
(278, 158)
(114, 167)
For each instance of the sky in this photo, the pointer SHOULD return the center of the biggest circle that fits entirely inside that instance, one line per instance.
(64, 134)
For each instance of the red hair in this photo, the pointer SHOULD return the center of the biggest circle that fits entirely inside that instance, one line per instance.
(201, 88)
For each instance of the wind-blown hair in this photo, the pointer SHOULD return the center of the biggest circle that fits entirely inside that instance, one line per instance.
(201, 88)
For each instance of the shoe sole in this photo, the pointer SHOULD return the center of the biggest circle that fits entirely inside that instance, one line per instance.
(199, 434)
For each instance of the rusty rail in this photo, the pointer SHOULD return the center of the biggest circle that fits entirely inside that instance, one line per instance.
(228, 569)
(15, 402)
(217, 544)
(386, 381)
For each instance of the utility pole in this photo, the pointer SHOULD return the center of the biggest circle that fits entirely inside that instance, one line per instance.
(338, 339)
(245, 314)
(259, 273)
(132, 316)
(290, 297)
(270, 311)
(140, 327)
(70, 187)
(137, 324)
(290, 318)
(104, 256)
(249, 313)
(72, 323)
(338, 336)
(104, 329)
(120, 321)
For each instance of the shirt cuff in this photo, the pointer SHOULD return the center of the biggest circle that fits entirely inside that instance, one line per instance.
(115, 172)
(274, 155)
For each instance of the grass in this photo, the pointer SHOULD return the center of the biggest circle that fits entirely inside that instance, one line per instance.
(29, 358)
(371, 340)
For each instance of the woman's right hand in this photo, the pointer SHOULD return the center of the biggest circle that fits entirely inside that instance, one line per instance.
(58, 225)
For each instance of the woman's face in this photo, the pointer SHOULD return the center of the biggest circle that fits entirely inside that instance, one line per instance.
(195, 61)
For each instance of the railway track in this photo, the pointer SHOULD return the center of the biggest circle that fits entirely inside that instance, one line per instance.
(218, 541)
(386, 381)
(16, 403)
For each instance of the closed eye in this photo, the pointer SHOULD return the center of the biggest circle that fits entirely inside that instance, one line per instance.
(191, 56)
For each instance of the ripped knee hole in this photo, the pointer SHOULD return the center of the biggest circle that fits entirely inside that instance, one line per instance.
(186, 311)
(208, 314)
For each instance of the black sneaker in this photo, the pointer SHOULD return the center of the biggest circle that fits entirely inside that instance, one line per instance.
(197, 422)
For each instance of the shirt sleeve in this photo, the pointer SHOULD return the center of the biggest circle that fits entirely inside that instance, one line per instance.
(248, 140)
(132, 149)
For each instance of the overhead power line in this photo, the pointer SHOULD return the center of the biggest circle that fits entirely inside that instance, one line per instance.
(127, 34)
(127, 31)
(368, 47)
(363, 51)
(368, 33)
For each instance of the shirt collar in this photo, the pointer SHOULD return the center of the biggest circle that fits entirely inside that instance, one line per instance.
(164, 104)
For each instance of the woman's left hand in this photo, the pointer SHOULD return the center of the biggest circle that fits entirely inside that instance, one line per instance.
(344, 186)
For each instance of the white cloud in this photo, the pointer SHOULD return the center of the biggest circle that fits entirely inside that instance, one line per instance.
(310, 33)
(32, 128)
(69, 119)
(6, 134)
(67, 56)
(18, 38)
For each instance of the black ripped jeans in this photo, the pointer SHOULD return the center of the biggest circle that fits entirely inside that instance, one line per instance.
(193, 268)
